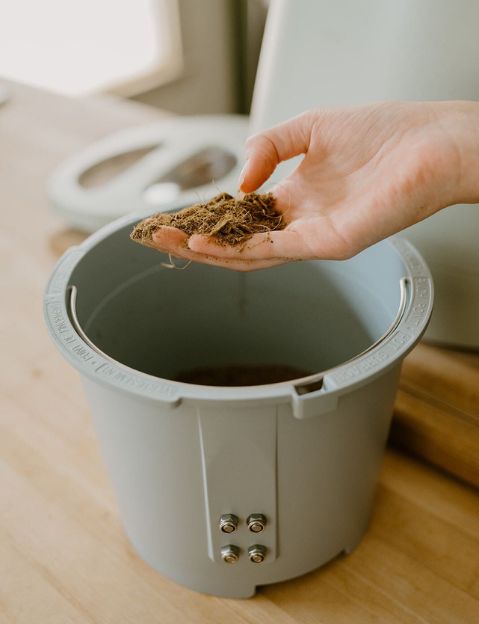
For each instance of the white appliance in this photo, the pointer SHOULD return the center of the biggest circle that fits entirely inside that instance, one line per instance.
(188, 157)
(324, 53)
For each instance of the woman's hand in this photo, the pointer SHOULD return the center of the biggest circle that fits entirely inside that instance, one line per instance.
(368, 172)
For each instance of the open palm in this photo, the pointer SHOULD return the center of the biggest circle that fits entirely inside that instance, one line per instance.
(367, 173)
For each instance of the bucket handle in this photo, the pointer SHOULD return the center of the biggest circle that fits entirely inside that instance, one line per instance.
(315, 382)
(72, 308)
(121, 374)
(304, 391)
(403, 299)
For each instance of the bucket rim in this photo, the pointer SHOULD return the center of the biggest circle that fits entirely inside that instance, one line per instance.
(333, 382)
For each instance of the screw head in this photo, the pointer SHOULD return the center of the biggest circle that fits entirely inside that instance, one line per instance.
(230, 558)
(256, 522)
(230, 553)
(228, 523)
(256, 527)
(257, 553)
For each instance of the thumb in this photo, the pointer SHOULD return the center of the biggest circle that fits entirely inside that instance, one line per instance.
(267, 149)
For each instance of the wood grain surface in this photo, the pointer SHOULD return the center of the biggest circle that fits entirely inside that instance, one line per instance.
(437, 409)
(63, 555)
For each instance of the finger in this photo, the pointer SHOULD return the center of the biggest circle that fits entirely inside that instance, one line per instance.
(267, 149)
(167, 237)
(286, 245)
(173, 241)
(232, 264)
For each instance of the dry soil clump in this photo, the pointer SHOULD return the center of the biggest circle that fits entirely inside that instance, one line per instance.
(230, 220)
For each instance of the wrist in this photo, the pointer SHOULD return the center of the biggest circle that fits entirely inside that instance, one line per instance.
(461, 122)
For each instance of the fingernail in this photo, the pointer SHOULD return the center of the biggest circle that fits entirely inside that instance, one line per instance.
(242, 175)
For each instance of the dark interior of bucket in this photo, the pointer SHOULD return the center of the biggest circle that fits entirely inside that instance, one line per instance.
(274, 324)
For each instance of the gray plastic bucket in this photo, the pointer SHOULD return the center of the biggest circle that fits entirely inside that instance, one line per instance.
(304, 454)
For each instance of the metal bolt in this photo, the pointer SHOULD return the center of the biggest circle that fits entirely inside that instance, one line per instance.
(257, 553)
(230, 553)
(256, 522)
(228, 523)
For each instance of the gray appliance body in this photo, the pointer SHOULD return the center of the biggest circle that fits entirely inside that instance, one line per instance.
(305, 454)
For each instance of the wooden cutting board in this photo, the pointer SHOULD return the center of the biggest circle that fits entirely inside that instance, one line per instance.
(436, 414)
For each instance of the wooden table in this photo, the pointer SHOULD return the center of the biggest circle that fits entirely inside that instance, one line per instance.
(437, 409)
(63, 555)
